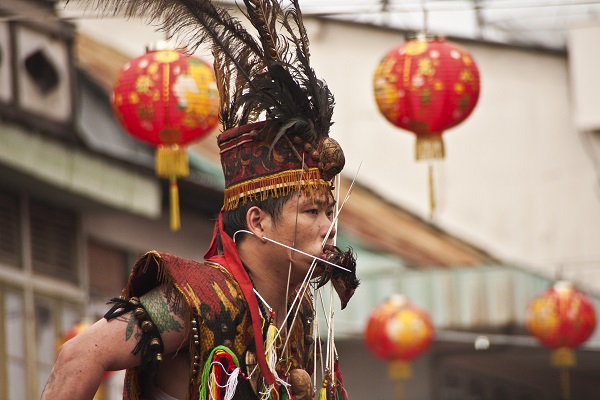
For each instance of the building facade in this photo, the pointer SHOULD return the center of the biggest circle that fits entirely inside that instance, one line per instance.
(79, 201)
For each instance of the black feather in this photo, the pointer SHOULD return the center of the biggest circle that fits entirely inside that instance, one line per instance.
(263, 16)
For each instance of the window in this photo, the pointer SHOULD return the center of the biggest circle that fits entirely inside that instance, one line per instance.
(45, 335)
(14, 344)
(53, 242)
(10, 234)
(42, 71)
(28, 347)
(53, 319)
(108, 270)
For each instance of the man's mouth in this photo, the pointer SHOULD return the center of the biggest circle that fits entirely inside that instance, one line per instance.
(327, 249)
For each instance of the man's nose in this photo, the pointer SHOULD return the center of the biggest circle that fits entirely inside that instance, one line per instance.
(328, 224)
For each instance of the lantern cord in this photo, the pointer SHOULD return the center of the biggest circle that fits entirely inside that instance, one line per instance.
(174, 203)
(425, 17)
(400, 389)
(431, 192)
(565, 383)
(399, 371)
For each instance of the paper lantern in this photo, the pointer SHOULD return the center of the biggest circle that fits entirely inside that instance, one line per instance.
(398, 331)
(562, 318)
(167, 99)
(427, 85)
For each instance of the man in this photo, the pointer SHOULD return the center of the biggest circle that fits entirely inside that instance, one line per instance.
(107, 346)
(239, 325)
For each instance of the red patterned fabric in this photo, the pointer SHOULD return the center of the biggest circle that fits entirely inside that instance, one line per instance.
(231, 261)
(215, 298)
(244, 157)
(211, 294)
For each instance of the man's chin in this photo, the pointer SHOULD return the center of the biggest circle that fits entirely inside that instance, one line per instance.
(317, 272)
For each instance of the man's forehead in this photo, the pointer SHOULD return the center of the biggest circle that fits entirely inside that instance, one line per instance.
(320, 197)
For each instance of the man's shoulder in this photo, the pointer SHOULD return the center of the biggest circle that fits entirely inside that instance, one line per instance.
(173, 261)
(206, 286)
(196, 271)
(156, 268)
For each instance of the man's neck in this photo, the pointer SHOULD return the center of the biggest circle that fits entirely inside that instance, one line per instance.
(270, 281)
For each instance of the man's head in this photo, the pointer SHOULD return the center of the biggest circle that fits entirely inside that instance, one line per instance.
(291, 231)
(276, 115)
(267, 173)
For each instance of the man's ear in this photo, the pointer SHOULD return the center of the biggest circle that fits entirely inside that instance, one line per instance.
(256, 220)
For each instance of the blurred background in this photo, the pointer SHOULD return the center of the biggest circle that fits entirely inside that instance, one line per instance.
(516, 197)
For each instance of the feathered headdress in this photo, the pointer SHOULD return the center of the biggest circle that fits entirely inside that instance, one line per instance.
(264, 78)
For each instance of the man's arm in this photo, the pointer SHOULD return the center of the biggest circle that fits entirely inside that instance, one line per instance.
(108, 346)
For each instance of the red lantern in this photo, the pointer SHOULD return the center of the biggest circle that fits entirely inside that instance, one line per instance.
(561, 318)
(427, 85)
(168, 99)
(398, 331)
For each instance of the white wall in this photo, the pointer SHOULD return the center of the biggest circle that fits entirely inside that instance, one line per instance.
(584, 62)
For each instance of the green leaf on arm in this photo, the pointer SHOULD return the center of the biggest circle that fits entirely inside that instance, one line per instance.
(131, 323)
(160, 312)
(130, 326)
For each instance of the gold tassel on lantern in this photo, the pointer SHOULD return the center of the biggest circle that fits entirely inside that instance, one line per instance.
(429, 147)
(399, 372)
(174, 204)
(564, 358)
(172, 160)
(431, 191)
(171, 163)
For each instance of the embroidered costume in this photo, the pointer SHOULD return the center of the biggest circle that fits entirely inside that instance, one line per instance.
(219, 319)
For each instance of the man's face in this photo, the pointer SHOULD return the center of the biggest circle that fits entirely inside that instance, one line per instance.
(304, 224)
